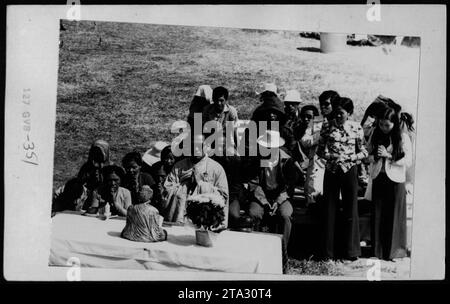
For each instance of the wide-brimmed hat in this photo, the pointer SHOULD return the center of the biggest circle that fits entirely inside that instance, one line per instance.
(271, 87)
(292, 96)
(153, 154)
(271, 139)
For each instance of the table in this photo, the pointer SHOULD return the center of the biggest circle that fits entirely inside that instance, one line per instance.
(97, 243)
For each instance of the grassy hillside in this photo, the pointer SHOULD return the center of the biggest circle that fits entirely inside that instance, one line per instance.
(127, 83)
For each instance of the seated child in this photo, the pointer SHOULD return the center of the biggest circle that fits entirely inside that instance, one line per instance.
(143, 220)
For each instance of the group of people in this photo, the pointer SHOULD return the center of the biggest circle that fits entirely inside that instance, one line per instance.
(320, 149)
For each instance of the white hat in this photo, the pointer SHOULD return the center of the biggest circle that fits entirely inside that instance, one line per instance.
(205, 91)
(153, 154)
(271, 139)
(178, 125)
(292, 96)
(268, 87)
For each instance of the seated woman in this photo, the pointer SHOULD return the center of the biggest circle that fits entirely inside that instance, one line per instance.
(143, 220)
(201, 99)
(160, 175)
(167, 161)
(71, 196)
(89, 173)
(110, 193)
(134, 179)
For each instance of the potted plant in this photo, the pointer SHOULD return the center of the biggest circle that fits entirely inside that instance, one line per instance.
(206, 211)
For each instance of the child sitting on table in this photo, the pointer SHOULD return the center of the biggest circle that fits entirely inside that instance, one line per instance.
(144, 224)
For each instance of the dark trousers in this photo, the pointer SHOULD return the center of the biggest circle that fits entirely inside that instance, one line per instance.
(283, 217)
(234, 213)
(341, 233)
(388, 218)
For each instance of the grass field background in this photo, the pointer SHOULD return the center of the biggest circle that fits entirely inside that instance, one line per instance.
(127, 83)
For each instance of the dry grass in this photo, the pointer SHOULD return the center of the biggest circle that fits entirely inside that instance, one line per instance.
(313, 268)
(129, 88)
(357, 269)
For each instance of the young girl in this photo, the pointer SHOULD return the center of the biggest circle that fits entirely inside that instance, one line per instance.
(341, 144)
(390, 155)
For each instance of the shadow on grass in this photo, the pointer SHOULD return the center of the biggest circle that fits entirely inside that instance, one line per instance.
(309, 49)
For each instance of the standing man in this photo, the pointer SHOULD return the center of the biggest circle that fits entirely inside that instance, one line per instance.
(221, 112)
(226, 118)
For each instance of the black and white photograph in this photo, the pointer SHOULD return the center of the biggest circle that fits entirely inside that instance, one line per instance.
(232, 150)
(339, 191)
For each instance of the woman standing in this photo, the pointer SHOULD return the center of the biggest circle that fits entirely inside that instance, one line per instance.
(390, 155)
(341, 144)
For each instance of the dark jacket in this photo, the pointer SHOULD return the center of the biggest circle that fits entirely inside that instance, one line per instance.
(88, 174)
(197, 105)
(270, 102)
(285, 181)
(143, 179)
(273, 103)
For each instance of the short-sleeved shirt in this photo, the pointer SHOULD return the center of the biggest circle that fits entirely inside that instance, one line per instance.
(121, 198)
(229, 114)
(345, 140)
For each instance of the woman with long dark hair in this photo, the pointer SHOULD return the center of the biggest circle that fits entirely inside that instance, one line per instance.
(390, 151)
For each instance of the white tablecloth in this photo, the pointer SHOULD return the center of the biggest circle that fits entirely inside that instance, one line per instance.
(97, 243)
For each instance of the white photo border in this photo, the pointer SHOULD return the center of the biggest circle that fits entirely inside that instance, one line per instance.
(30, 108)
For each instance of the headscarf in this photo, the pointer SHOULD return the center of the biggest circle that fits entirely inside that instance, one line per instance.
(205, 91)
(88, 171)
(104, 148)
(201, 99)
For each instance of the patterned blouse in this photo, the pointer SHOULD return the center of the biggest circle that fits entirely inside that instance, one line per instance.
(346, 141)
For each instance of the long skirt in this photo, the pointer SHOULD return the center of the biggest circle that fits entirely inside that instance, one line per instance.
(388, 218)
